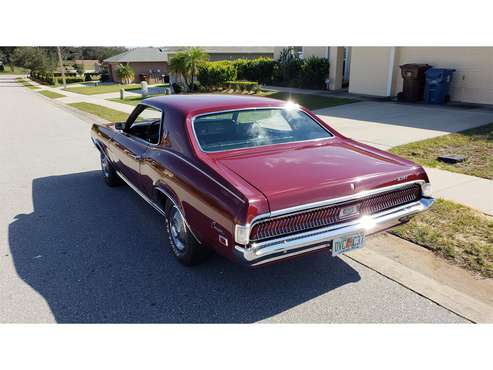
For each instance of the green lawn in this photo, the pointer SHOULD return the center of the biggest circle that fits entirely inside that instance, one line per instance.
(102, 89)
(131, 100)
(455, 232)
(108, 114)
(309, 101)
(51, 94)
(475, 144)
(17, 71)
(26, 83)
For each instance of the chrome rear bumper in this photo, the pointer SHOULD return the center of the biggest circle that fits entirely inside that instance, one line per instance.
(270, 250)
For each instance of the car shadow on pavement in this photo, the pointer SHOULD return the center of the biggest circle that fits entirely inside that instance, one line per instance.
(99, 254)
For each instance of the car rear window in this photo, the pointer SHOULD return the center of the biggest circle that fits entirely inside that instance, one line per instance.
(255, 127)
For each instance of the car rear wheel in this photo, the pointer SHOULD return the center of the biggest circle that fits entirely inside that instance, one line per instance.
(109, 174)
(183, 244)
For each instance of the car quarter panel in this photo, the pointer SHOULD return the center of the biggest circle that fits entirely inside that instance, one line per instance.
(210, 208)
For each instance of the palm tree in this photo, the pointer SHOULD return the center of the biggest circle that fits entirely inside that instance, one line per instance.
(187, 62)
(126, 73)
(177, 65)
(195, 56)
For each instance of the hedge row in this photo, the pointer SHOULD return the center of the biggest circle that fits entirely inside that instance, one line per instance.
(242, 85)
(260, 69)
(308, 73)
(216, 74)
(53, 79)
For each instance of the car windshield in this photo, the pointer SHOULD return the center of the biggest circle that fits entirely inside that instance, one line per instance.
(255, 127)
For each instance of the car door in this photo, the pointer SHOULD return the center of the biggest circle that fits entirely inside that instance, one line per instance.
(131, 143)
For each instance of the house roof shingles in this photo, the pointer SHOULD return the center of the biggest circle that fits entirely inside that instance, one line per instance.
(152, 54)
(148, 54)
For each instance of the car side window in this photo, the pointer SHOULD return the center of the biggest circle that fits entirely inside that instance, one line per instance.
(145, 123)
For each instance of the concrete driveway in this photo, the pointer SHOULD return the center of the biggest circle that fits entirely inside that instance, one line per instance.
(387, 124)
(74, 250)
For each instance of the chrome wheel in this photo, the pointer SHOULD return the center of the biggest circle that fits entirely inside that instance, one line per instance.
(105, 167)
(178, 229)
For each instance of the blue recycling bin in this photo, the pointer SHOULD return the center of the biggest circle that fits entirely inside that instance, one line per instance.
(437, 85)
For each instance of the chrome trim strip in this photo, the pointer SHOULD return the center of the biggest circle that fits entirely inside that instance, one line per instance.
(332, 136)
(302, 243)
(324, 203)
(289, 255)
(315, 205)
(154, 205)
(206, 174)
(161, 125)
(134, 188)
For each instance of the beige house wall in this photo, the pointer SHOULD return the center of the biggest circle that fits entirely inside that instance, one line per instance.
(375, 70)
(315, 51)
(369, 70)
(473, 80)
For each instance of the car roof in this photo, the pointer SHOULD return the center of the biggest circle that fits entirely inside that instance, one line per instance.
(191, 104)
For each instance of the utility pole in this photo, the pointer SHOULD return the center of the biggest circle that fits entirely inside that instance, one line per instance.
(60, 60)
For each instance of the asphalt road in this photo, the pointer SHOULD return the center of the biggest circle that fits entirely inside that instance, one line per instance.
(74, 250)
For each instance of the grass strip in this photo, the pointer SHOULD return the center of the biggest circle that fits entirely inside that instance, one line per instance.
(105, 113)
(51, 94)
(475, 144)
(455, 232)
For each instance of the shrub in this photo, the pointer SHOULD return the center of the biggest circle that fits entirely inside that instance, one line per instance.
(105, 74)
(260, 69)
(177, 87)
(69, 80)
(314, 72)
(242, 85)
(290, 72)
(92, 76)
(54, 78)
(215, 74)
(126, 73)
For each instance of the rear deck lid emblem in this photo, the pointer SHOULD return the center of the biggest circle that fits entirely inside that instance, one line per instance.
(349, 211)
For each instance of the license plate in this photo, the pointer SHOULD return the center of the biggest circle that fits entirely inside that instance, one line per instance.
(347, 243)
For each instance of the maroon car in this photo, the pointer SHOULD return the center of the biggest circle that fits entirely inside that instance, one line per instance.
(256, 179)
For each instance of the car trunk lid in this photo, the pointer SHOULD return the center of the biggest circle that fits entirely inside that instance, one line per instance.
(305, 173)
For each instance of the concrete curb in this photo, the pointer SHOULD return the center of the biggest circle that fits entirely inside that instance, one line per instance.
(442, 294)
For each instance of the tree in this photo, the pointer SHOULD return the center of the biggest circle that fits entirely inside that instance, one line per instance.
(177, 65)
(195, 56)
(186, 63)
(125, 73)
(36, 59)
(7, 52)
(91, 52)
(79, 68)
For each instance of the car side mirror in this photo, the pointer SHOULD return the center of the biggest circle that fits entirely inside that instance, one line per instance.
(120, 126)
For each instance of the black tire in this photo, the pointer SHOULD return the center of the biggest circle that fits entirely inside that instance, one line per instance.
(109, 173)
(183, 244)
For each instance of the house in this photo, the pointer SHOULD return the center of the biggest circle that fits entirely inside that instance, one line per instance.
(152, 63)
(89, 65)
(375, 70)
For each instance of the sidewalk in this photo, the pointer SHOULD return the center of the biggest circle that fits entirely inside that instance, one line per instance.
(330, 93)
(470, 191)
(100, 99)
